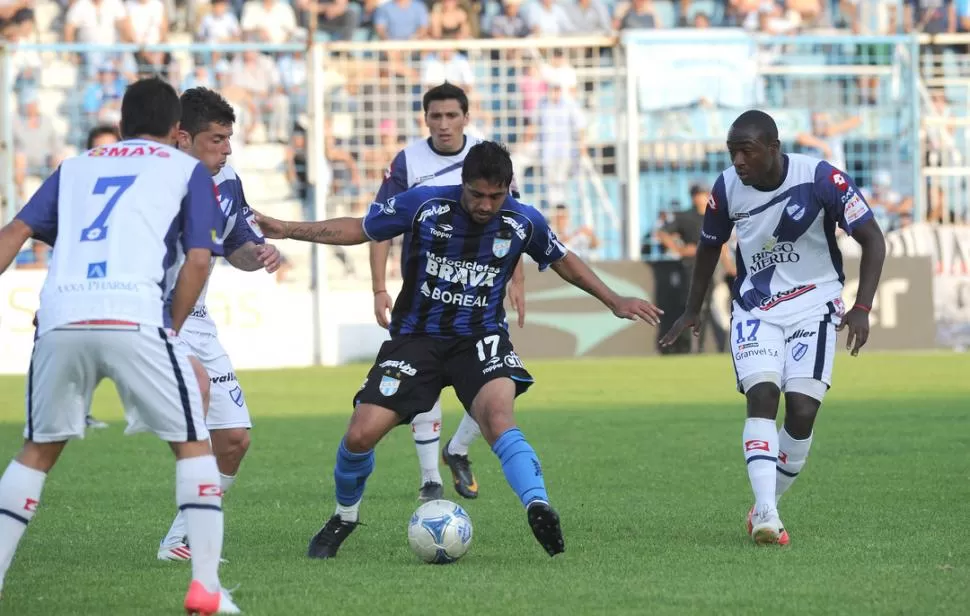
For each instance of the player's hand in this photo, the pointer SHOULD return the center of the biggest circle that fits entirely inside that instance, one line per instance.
(516, 294)
(693, 321)
(271, 228)
(270, 257)
(858, 323)
(634, 308)
(382, 308)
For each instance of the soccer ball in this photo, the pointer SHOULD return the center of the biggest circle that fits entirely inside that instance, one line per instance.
(440, 532)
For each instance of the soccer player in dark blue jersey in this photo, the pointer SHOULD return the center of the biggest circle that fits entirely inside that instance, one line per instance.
(448, 326)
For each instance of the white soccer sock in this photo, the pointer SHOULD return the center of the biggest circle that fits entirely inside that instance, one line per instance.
(465, 435)
(760, 446)
(177, 531)
(350, 513)
(226, 481)
(792, 455)
(20, 489)
(426, 430)
(199, 497)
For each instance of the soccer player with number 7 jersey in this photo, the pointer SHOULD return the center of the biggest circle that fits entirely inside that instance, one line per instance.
(787, 297)
(115, 221)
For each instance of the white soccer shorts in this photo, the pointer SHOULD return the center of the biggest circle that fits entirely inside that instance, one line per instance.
(153, 377)
(805, 350)
(227, 405)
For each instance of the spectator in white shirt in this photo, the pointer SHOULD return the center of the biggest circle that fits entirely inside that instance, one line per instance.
(258, 75)
(98, 22)
(447, 66)
(268, 21)
(548, 18)
(220, 25)
(149, 26)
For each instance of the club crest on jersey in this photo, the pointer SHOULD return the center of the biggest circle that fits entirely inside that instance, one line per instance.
(236, 395)
(389, 385)
(501, 246)
(795, 211)
(799, 351)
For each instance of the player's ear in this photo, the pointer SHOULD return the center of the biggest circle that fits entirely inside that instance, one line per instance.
(466, 120)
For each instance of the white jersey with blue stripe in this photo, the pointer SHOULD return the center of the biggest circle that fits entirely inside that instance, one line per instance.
(789, 264)
(240, 228)
(420, 164)
(116, 217)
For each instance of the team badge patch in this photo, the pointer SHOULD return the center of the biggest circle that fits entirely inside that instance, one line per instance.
(501, 246)
(237, 396)
(389, 385)
(799, 351)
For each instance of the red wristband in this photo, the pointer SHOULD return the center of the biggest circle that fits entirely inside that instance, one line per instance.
(863, 308)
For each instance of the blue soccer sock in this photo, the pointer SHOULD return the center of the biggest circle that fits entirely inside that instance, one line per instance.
(521, 466)
(350, 475)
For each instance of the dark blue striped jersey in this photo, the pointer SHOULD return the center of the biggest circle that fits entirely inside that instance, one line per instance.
(456, 270)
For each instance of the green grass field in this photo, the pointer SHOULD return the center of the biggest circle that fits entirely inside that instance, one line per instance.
(642, 458)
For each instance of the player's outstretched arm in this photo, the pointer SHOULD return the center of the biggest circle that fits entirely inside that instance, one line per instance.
(188, 286)
(705, 262)
(379, 252)
(873, 244)
(344, 231)
(13, 236)
(572, 269)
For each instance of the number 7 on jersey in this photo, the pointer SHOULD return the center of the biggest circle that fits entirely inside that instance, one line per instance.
(98, 230)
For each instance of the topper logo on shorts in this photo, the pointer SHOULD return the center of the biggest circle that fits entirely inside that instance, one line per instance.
(756, 445)
(210, 489)
(466, 273)
(402, 366)
(492, 365)
(799, 351)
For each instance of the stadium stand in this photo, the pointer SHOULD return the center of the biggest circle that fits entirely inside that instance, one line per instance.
(642, 93)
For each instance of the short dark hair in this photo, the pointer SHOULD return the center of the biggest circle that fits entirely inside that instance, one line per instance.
(488, 161)
(446, 92)
(759, 123)
(150, 107)
(98, 131)
(201, 107)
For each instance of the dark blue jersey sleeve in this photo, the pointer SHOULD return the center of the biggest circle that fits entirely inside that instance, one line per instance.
(717, 221)
(242, 230)
(387, 219)
(395, 179)
(40, 213)
(544, 247)
(203, 223)
(840, 197)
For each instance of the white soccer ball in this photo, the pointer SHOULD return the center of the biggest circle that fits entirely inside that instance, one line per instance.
(440, 532)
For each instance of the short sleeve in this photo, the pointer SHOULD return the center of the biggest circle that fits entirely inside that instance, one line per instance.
(40, 213)
(544, 247)
(242, 231)
(387, 219)
(718, 225)
(203, 223)
(395, 179)
(380, 17)
(839, 196)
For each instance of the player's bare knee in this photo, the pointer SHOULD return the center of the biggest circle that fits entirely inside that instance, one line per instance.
(763, 398)
(191, 449)
(492, 408)
(368, 425)
(801, 410)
